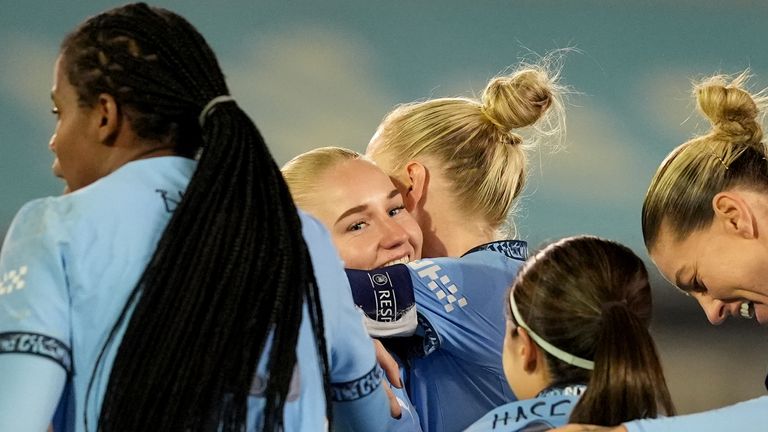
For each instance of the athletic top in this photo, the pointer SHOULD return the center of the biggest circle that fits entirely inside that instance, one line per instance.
(750, 416)
(67, 266)
(549, 409)
(454, 371)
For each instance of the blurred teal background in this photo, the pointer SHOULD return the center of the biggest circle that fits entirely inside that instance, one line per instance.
(325, 73)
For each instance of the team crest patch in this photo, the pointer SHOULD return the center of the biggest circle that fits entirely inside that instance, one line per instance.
(13, 280)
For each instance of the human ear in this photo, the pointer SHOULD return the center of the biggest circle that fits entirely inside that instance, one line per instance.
(108, 119)
(417, 183)
(734, 214)
(528, 351)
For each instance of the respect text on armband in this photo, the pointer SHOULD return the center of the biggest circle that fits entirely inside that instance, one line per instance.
(386, 305)
(438, 281)
(359, 388)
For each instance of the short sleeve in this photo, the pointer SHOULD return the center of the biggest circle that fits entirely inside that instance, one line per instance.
(34, 299)
(460, 303)
(359, 398)
(351, 350)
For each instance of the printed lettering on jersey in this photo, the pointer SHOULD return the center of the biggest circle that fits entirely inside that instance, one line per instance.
(358, 388)
(37, 344)
(385, 295)
(439, 283)
(171, 200)
(532, 415)
(13, 280)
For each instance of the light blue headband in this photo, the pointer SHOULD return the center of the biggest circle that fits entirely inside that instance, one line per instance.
(546, 346)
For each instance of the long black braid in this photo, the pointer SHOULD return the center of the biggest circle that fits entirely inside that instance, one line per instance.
(231, 272)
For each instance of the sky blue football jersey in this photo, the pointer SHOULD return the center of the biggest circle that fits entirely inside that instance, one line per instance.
(67, 266)
(454, 373)
(749, 416)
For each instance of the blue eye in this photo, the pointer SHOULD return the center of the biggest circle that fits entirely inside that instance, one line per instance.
(395, 211)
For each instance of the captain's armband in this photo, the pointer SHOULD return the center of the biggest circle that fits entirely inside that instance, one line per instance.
(386, 297)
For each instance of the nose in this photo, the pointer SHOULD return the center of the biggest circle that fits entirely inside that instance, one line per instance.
(392, 234)
(714, 309)
(51, 144)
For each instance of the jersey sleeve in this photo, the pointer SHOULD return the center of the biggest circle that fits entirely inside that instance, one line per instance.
(460, 304)
(34, 296)
(35, 355)
(750, 416)
(457, 300)
(360, 401)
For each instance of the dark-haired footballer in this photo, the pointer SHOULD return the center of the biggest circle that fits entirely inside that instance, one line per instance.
(176, 287)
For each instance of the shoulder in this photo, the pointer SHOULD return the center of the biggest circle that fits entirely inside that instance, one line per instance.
(37, 217)
(496, 258)
(531, 414)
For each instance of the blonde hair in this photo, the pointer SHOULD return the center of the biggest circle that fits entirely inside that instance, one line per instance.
(730, 154)
(474, 141)
(301, 172)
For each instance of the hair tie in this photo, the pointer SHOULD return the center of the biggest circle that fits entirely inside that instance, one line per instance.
(546, 346)
(209, 107)
(613, 304)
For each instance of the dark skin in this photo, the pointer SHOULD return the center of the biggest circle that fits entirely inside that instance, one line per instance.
(91, 142)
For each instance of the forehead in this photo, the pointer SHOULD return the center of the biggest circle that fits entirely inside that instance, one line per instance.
(351, 183)
(61, 88)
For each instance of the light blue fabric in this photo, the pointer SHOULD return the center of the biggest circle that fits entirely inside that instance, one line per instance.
(462, 305)
(749, 416)
(537, 414)
(67, 267)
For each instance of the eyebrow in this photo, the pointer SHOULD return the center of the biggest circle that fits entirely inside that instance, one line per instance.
(353, 210)
(360, 208)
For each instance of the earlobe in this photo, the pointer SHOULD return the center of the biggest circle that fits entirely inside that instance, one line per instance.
(734, 213)
(417, 184)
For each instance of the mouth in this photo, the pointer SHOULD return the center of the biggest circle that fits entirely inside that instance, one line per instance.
(403, 260)
(747, 310)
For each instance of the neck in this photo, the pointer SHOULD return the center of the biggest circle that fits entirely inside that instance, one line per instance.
(450, 234)
(120, 156)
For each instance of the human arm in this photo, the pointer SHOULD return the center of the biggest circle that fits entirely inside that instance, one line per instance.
(34, 321)
(359, 400)
(30, 392)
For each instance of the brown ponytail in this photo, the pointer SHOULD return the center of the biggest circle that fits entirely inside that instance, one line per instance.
(591, 298)
(627, 382)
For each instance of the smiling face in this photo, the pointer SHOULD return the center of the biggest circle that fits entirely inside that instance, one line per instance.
(366, 217)
(79, 159)
(721, 270)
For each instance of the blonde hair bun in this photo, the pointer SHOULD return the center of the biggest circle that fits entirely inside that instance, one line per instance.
(731, 109)
(518, 100)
